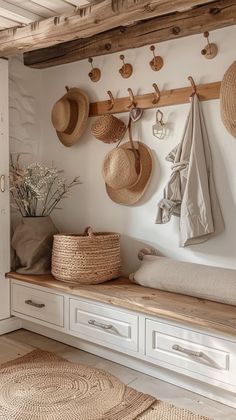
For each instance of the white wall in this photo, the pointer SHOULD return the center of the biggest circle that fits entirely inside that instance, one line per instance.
(25, 104)
(24, 113)
(89, 204)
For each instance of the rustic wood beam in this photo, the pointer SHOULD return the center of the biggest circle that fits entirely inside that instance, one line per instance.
(88, 21)
(212, 16)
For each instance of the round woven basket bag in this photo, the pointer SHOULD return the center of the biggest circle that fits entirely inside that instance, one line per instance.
(90, 258)
(228, 99)
(108, 128)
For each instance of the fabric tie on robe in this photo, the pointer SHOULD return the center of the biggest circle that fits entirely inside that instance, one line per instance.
(190, 193)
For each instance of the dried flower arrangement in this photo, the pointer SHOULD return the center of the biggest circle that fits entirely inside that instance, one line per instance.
(36, 190)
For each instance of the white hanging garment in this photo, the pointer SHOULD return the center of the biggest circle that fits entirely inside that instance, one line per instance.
(190, 192)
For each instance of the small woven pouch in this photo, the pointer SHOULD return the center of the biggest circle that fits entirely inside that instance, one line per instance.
(108, 128)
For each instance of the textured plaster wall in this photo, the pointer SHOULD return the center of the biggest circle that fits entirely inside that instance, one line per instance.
(25, 104)
(25, 129)
(90, 204)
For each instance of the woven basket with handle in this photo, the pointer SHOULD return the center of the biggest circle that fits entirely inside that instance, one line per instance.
(90, 258)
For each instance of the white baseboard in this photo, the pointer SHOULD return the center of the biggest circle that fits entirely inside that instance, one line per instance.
(10, 324)
(212, 392)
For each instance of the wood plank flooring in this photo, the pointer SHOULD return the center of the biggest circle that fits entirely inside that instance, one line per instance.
(20, 342)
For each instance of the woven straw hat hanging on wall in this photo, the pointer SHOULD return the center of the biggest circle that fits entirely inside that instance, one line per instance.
(124, 184)
(69, 116)
(228, 99)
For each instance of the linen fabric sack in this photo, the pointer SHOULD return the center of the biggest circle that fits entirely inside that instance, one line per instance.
(203, 281)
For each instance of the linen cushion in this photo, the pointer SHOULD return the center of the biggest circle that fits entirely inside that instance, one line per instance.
(203, 281)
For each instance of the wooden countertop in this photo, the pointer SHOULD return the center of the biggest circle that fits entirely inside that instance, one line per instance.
(125, 294)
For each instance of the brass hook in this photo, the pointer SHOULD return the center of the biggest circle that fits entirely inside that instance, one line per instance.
(131, 95)
(95, 73)
(127, 69)
(157, 94)
(206, 35)
(112, 100)
(157, 62)
(211, 49)
(193, 85)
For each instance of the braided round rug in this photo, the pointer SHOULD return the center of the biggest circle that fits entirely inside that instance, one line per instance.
(43, 386)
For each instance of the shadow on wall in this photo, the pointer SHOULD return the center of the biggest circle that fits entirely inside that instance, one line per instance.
(154, 182)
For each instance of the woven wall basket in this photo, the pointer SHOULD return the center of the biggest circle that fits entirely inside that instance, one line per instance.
(90, 258)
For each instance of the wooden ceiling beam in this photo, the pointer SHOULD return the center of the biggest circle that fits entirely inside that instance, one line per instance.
(88, 21)
(16, 13)
(58, 6)
(216, 15)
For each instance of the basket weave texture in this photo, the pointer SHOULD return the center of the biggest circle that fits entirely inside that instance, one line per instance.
(228, 99)
(90, 258)
(108, 128)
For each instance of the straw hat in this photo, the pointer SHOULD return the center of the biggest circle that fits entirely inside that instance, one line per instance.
(228, 99)
(108, 128)
(69, 116)
(123, 184)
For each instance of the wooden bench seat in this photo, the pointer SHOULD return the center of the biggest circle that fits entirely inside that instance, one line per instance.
(122, 293)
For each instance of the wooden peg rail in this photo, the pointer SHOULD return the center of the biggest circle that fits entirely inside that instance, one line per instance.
(205, 92)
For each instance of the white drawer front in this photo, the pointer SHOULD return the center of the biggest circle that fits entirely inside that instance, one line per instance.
(44, 306)
(104, 324)
(194, 352)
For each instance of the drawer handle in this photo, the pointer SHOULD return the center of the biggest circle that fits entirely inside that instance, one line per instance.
(36, 305)
(98, 324)
(2, 183)
(187, 351)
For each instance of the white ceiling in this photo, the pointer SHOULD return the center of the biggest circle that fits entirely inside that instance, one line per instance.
(21, 12)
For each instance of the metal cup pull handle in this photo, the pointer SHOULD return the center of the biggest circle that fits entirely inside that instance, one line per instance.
(36, 305)
(2, 183)
(187, 351)
(100, 325)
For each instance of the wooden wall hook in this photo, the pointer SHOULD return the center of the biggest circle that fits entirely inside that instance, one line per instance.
(193, 85)
(127, 69)
(95, 73)
(157, 94)
(157, 62)
(131, 95)
(211, 50)
(177, 96)
(112, 100)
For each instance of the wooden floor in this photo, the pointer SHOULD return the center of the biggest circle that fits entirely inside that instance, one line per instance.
(21, 342)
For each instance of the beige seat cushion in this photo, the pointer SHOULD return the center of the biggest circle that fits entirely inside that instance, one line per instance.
(212, 283)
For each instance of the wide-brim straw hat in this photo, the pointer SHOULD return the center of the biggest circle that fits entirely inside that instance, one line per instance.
(118, 174)
(108, 128)
(228, 99)
(70, 115)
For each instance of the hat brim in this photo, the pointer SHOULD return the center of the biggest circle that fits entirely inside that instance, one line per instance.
(82, 100)
(228, 99)
(130, 196)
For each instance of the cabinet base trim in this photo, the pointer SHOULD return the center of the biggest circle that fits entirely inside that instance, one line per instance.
(10, 324)
(219, 395)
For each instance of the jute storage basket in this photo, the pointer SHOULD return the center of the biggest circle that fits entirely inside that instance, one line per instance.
(90, 258)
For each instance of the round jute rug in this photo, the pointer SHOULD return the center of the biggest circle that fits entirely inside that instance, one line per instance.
(42, 386)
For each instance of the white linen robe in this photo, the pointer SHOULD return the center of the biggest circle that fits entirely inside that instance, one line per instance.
(190, 192)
